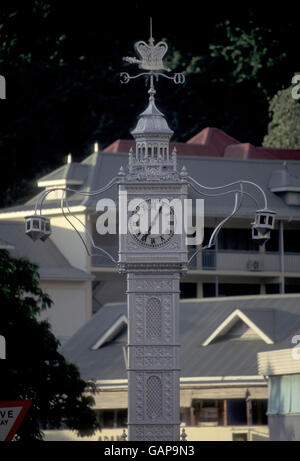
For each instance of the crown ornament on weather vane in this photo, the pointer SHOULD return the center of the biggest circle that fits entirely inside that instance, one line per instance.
(151, 60)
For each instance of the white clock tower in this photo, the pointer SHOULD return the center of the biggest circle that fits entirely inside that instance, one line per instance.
(154, 255)
(153, 263)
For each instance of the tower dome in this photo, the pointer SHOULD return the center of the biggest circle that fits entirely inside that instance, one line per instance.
(152, 134)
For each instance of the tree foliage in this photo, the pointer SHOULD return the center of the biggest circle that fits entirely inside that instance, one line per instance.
(36, 370)
(283, 130)
(62, 64)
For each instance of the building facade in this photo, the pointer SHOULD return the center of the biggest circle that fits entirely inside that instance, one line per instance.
(223, 394)
(282, 369)
(236, 266)
(228, 405)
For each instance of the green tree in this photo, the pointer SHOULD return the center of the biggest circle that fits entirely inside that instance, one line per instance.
(35, 368)
(283, 129)
(62, 65)
(251, 51)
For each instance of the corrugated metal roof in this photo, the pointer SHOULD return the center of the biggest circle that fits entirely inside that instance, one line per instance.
(198, 319)
(52, 264)
(70, 172)
(208, 171)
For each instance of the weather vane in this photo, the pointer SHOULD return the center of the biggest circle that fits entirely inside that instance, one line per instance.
(151, 60)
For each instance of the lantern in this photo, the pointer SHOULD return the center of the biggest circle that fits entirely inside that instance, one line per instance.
(37, 227)
(264, 220)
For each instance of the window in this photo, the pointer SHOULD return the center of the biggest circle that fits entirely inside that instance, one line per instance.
(259, 412)
(291, 240)
(122, 418)
(272, 288)
(209, 290)
(207, 412)
(207, 233)
(292, 288)
(110, 419)
(273, 244)
(232, 412)
(239, 437)
(106, 418)
(209, 259)
(236, 412)
(236, 239)
(188, 290)
(238, 289)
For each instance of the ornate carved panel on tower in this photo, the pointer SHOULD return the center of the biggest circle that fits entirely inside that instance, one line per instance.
(154, 397)
(154, 318)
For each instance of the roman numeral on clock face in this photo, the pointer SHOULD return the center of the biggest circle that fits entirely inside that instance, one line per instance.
(149, 239)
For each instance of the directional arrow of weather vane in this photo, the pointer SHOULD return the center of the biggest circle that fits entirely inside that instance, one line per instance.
(150, 60)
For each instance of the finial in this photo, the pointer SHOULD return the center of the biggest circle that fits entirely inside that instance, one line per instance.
(121, 171)
(69, 158)
(130, 158)
(183, 435)
(174, 159)
(96, 147)
(124, 436)
(150, 60)
(183, 172)
(151, 39)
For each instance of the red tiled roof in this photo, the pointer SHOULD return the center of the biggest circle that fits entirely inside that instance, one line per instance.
(248, 151)
(120, 145)
(124, 145)
(213, 138)
(183, 148)
(212, 142)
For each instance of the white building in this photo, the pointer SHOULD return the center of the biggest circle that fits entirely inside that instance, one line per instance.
(282, 368)
(237, 266)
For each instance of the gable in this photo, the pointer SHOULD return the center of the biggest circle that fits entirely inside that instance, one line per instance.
(241, 331)
(116, 332)
(238, 326)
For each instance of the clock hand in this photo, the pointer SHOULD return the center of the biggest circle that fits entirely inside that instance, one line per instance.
(155, 218)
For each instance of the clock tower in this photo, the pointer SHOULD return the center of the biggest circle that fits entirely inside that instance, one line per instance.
(153, 263)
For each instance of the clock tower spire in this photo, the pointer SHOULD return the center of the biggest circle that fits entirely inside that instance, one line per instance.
(153, 262)
(152, 134)
(152, 157)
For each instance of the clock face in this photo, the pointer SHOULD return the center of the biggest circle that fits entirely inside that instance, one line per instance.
(158, 213)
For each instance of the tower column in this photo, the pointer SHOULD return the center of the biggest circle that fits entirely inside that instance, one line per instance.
(153, 356)
(153, 259)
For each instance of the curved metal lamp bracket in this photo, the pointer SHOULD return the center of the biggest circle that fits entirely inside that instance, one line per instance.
(239, 194)
(64, 204)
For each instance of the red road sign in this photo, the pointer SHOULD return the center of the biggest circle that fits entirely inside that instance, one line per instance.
(11, 415)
